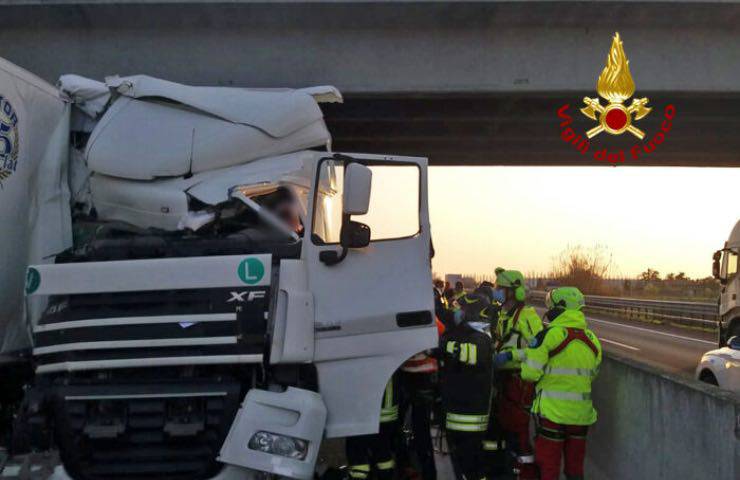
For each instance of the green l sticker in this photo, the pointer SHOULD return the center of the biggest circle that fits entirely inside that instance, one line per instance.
(251, 271)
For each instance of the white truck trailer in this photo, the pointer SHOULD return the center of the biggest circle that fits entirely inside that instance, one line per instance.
(206, 282)
(724, 269)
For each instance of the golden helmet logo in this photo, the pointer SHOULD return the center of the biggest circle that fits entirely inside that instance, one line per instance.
(616, 85)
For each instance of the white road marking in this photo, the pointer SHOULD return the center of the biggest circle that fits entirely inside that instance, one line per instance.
(619, 344)
(615, 324)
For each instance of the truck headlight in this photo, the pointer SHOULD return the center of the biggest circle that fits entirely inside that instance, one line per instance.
(277, 444)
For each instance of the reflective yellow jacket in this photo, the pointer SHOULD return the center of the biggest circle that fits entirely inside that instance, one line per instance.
(563, 390)
(516, 331)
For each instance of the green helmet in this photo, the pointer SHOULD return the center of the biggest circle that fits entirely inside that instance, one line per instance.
(569, 298)
(509, 278)
(512, 279)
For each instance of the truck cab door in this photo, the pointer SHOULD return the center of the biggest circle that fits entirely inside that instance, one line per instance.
(373, 309)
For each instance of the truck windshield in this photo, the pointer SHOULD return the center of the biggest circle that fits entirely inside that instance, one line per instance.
(394, 202)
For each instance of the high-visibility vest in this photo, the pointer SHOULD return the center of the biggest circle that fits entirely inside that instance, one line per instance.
(515, 330)
(564, 361)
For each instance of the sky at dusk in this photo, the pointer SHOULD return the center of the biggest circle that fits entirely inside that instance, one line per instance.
(668, 219)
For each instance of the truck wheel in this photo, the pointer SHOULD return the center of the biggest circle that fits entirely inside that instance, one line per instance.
(708, 377)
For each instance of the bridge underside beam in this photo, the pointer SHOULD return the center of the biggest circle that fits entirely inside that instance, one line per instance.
(380, 46)
(461, 82)
(525, 130)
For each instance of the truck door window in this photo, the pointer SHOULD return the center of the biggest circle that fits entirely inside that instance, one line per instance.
(730, 264)
(394, 202)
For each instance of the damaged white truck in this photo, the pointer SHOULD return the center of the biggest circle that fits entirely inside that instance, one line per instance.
(194, 285)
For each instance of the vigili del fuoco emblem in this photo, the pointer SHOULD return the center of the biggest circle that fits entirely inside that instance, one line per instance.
(615, 85)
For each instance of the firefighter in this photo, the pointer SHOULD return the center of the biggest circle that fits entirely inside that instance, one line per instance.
(563, 360)
(459, 290)
(418, 383)
(491, 313)
(440, 302)
(371, 456)
(518, 324)
(466, 386)
(494, 443)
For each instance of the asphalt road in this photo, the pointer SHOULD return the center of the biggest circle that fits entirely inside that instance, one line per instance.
(668, 348)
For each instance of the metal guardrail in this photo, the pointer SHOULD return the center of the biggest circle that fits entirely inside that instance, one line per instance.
(698, 314)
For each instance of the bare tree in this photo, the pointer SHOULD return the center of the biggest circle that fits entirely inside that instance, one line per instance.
(582, 267)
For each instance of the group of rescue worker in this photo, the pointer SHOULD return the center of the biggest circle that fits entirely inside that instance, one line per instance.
(498, 368)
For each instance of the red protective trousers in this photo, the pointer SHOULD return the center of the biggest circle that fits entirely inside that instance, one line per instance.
(514, 404)
(555, 441)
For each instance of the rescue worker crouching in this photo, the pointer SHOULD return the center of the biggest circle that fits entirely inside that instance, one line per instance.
(563, 360)
(518, 324)
(466, 386)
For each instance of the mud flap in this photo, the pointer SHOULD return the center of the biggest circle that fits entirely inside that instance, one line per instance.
(271, 421)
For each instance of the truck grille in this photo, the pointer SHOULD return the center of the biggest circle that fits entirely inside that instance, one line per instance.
(164, 432)
(150, 329)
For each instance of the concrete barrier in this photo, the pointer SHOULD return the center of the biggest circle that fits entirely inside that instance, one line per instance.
(654, 425)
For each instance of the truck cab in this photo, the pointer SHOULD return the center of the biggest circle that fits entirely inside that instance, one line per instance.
(725, 270)
(225, 294)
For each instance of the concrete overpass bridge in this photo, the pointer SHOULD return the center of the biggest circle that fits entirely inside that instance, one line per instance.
(461, 82)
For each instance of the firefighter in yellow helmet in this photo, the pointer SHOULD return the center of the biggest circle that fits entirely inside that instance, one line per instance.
(518, 324)
(563, 360)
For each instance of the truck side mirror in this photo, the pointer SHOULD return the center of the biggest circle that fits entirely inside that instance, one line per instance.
(355, 235)
(715, 265)
(357, 183)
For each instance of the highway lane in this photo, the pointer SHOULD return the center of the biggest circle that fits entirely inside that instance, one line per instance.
(668, 348)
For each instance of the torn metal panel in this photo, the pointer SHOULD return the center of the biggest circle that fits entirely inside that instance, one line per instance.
(164, 203)
(143, 140)
(276, 112)
(157, 204)
(90, 96)
(213, 187)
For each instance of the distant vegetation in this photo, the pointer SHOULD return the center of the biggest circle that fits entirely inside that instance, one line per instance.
(590, 269)
(585, 268)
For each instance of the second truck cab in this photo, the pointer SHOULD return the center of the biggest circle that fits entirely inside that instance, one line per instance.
(724, 269)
